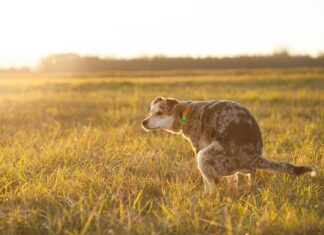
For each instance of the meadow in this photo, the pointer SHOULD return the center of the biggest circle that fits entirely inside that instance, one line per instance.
(75, 160)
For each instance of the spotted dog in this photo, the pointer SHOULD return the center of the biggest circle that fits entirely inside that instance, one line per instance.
(224, 135)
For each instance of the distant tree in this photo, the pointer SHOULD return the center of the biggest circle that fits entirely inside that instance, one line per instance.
(60, 63)
(74, 63)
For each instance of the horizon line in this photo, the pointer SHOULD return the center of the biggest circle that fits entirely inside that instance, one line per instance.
(283, 51)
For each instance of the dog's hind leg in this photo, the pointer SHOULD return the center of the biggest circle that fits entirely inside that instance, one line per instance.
(207, 165)
(233, 180)
(209, 175)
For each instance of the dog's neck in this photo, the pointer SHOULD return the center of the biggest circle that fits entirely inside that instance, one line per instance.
(183, 111)
(184, 115)
(188, 128)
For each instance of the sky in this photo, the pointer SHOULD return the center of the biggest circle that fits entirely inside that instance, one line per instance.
(30, 30)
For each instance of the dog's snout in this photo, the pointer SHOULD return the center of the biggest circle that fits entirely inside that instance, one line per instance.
(144, 122)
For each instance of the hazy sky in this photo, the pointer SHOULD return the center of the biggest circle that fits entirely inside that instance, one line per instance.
(127, 28)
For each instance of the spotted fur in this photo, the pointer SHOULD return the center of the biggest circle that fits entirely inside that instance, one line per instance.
(224, 135)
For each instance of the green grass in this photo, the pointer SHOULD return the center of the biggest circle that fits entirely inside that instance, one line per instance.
(74, 159)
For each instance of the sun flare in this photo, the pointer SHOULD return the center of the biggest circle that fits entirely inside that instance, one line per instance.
(36, 28)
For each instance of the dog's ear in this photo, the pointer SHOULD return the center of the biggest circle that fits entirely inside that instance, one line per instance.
(171, 104)
(156, 100)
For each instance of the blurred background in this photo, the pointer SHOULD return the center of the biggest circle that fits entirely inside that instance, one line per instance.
(98, 35)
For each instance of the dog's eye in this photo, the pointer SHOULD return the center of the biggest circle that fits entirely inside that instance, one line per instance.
(159, 113)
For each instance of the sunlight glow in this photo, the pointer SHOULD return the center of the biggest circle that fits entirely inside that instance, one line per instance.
(126, 28)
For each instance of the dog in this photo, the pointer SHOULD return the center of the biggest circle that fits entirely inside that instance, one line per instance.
(224, 135)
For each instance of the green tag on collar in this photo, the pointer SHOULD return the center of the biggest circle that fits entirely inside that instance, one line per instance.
(184, 115)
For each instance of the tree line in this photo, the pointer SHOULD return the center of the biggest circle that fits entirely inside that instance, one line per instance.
(71, 63)
(76, 63)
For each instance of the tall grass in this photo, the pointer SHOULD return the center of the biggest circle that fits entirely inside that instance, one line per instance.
(74, 159)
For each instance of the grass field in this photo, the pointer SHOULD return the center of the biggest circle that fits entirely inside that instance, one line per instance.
(74, 159)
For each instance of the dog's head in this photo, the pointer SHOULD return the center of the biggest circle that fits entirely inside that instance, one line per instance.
(163, 115)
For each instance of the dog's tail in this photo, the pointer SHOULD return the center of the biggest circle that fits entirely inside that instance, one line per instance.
(263, 163)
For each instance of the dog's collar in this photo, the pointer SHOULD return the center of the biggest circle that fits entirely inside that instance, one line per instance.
(185, 112)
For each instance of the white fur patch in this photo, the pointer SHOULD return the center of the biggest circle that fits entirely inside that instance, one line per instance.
(164, 122)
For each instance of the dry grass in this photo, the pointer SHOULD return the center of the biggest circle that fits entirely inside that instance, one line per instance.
(74, 159)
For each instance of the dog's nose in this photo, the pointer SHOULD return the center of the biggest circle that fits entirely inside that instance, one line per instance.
(144, 122)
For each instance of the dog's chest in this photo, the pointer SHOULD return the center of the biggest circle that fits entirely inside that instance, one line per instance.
(199, 143)
(202, 143)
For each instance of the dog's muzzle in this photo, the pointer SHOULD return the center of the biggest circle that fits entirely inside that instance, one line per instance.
(146, 127)
(144, 124)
